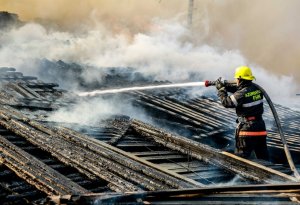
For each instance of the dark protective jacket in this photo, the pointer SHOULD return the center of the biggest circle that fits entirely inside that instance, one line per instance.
(251, 133)
(247, 99)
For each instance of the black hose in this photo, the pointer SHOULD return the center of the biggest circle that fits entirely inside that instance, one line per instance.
(285, 146)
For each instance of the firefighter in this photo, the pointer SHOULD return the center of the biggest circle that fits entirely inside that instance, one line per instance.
(247, 99)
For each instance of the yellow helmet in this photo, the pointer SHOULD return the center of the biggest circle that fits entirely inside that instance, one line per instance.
(244, 72)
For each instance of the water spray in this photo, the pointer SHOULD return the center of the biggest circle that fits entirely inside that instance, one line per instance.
(275, 115)
(151, 87)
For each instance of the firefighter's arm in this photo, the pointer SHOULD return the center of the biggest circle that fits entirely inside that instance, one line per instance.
(225, 99)
(232, 88)
(222, 93)
(231, 101)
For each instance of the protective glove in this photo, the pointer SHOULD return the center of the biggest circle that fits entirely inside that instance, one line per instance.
(219, 84)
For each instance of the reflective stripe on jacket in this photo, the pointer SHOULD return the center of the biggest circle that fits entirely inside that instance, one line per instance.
(252, 133)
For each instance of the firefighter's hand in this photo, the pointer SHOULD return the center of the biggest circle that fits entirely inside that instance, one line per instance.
(219, 84)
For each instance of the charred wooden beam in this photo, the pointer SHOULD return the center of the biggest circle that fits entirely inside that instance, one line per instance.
(36, 103)
(116, 155)
(243, 194)
(136, 163)
(41, 85)
(129, 162)
(199, 113)
(20, 90)
(35, 172)
(76, 151)
(177, 108)
(27, 78)
(211, 109)
(172, 113)
(122, 126)
(230, 162)
(72, 155)
(106, 159)
(69, 154)
(32, 92)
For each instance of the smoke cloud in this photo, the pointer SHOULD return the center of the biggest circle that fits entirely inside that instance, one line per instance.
(91, 111)
(152, 36)
(265, 32)
(130, 16)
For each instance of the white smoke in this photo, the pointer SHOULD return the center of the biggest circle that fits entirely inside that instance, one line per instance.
(92, 111)
(164, 51)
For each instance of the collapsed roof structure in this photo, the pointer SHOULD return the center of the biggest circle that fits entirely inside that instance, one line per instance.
(177, 157)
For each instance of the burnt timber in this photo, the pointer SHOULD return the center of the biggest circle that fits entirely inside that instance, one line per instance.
(40, 158)
(254, 194)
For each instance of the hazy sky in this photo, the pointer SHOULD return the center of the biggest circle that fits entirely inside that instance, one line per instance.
(266, 32)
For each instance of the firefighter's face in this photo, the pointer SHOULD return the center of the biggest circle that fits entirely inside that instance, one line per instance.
(237, 81)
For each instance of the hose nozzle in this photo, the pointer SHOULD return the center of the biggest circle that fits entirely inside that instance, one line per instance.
(208, 83)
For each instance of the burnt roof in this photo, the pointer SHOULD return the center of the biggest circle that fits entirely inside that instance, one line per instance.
(182, 150)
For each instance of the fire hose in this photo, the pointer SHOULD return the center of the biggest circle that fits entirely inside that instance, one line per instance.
(275, 115)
